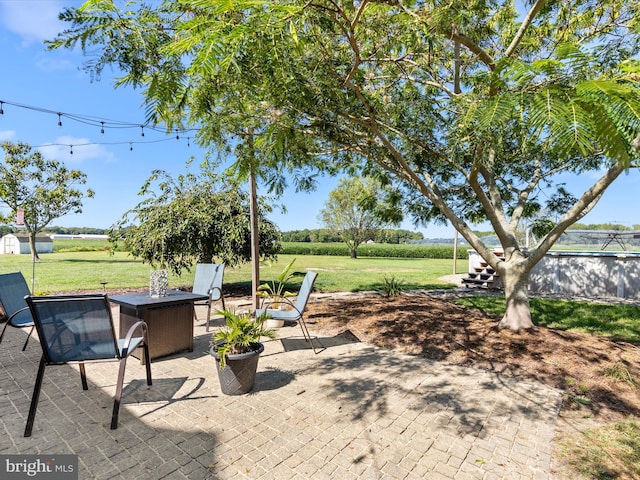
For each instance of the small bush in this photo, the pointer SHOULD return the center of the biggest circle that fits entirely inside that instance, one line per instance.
(391, 287)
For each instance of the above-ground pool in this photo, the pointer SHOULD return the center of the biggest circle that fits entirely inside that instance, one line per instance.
(588, 274)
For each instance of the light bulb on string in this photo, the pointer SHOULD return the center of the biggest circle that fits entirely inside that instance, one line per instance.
(177, 136)
(59, 119)
(131, 146)
(1, 109)
(70, 149)
(142, 130)
(188, 144)
(102, 127)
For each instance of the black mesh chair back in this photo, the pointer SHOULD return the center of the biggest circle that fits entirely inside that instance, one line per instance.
(79, 328)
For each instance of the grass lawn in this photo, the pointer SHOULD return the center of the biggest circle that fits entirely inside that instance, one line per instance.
(67, 271)
(618, 322)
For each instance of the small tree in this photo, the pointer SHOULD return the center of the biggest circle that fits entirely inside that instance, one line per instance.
(43, 189)
(355, 211)
(193, 218)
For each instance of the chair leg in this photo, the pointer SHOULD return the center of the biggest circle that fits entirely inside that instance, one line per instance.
(28, 337)
(34, 398)
(116, 400)
(208, 314)
(306, 335)
(4, 329)
(83, 377)
(147, 362)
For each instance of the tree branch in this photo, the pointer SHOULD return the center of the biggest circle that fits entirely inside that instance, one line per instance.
(523, 28)
(476, 49)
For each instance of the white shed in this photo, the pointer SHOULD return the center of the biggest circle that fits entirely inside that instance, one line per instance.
(18, 243)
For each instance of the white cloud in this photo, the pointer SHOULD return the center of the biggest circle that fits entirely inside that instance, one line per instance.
(33, 20)
(83, 150)
(7, 135)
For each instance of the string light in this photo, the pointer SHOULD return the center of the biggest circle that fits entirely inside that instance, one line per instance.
(101, 122)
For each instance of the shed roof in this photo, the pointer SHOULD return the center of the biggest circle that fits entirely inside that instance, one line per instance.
(25, 238)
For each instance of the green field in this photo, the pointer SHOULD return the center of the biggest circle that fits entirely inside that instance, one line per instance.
(80, 270)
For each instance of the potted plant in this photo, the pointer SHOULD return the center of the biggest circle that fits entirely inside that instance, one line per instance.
(275, 292)
(236, 348)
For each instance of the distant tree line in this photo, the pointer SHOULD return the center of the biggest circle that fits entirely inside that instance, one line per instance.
(323, 235)
(5, 229)
(603, 226)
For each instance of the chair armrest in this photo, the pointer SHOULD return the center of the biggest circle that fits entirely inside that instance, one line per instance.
(213, 290)
(127, 339)
(16, 313)
(281, 301)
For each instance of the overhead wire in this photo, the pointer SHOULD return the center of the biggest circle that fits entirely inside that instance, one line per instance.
(104, 124)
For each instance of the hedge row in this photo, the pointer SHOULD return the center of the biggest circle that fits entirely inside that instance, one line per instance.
(374, 250)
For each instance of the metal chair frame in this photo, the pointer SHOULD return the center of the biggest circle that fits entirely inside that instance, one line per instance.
(78, 354)
(296, 312)
(213, 288)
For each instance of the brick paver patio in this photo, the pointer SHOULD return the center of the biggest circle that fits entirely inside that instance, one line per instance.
(352, 411)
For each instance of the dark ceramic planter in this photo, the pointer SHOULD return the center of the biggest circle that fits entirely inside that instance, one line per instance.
(239, 374)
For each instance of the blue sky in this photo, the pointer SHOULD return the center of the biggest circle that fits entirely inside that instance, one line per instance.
(119, 161)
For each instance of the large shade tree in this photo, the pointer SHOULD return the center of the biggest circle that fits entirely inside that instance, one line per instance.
(41, 189)
(471, 109)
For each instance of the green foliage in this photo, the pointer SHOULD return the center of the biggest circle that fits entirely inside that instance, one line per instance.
(193, 218)
(43, 189)
(375, 250)
(356, 211)
(385, 235)
(60, 246)
(239, 333)
(276, 288)
(391, 287)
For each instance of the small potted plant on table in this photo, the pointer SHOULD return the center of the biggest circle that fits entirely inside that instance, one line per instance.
(236, 348)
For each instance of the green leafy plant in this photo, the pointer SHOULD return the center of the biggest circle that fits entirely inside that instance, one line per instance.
(275, 290)
(239, 333)
(392, 286)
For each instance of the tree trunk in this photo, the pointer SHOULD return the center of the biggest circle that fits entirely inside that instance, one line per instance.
(517, 315)
(32, 247)
(255, 241)
(353, 252)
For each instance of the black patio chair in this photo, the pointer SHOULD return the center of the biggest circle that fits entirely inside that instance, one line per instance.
(79, 329)
(13, 289)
